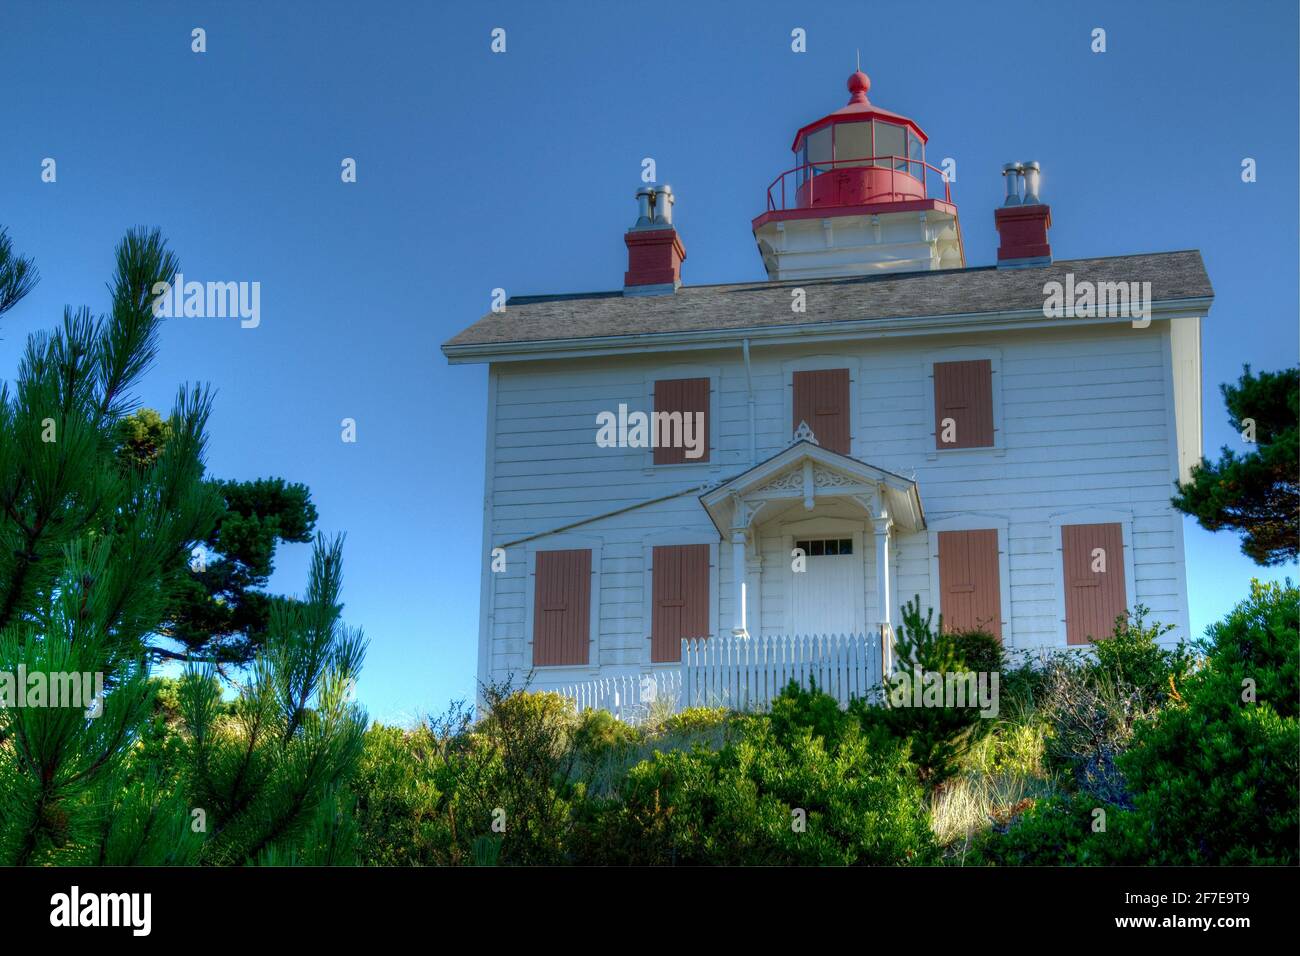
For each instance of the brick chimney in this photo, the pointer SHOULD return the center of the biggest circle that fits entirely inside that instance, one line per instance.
(654, 250)
(1022, 220)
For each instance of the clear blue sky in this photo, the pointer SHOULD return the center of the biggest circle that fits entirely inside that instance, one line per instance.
(478, 170)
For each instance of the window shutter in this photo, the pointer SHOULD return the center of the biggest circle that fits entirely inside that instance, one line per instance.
(821, 399)
(562, 607)
(963, 391)
(680, 606)
(684, 396)
(970, 595)
(1093, 599)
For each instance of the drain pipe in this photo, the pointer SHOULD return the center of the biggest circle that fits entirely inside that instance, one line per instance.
(753, 421)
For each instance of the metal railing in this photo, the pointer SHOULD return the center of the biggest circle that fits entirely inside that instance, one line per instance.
(808, 174)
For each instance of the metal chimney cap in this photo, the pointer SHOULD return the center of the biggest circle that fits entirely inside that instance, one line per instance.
(645, 191)
(1009, 168)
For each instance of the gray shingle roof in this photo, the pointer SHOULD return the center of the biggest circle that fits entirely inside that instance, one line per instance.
(531, 319)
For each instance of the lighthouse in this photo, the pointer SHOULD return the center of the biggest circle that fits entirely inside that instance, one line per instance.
(859, 199)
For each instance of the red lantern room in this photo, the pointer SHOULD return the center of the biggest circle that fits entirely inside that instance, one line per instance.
(861, 198)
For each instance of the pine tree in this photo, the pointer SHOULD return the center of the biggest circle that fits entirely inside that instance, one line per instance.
(88, 553)
(1256, 493)
(91, 556)
(221, 611)
(267, 775)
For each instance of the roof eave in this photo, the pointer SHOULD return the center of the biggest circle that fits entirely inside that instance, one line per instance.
(474, 353)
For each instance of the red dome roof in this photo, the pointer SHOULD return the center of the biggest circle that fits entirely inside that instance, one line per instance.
(858, 108)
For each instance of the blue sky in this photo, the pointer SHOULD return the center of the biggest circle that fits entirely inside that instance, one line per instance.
(478, 170)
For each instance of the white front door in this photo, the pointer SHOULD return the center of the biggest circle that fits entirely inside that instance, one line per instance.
(827, 596)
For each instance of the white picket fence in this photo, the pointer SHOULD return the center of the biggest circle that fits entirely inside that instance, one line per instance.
(744, 673)
(629, 697)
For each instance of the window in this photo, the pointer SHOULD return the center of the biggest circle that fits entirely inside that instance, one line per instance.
(681, 421)
(963, 404)
(915, 156)
(821, 398)
(562, 607)
(890, 142)
(681, 598)
(1092, 561)
(852, 141)
(819, 149)
(970, 595)
(831, 547)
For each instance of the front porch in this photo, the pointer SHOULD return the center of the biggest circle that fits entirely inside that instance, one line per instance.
(812, 537)
(805, 588)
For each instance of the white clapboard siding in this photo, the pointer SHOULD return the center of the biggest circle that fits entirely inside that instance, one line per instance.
(1085, 423)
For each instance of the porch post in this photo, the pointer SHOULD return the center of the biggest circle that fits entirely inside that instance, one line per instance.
(739, 571)
(884, 584)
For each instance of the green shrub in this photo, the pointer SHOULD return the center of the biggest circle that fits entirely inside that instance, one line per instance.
(784, 797)
(1057, 831)
(938, 735)
(696, 720)
(1210, 771)
(1093, 701)
(797, 710)
(1257, 643)
(977, 651)
(1215, 775)
(399, 807)
(1132, 657)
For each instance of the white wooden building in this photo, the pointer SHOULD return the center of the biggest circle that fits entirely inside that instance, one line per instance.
(878, 421)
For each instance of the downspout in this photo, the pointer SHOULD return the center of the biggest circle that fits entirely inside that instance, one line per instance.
(749, 386)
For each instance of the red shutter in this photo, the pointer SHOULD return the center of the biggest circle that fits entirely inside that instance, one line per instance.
(963, 391)
(681, 598)
(822, 400)
(970, 597)
(562, 607)
(1093, 599)
(685, 396)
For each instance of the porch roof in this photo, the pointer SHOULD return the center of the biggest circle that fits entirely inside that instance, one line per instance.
(806, 471)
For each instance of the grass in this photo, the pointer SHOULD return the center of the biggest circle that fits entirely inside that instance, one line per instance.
(1002, 775)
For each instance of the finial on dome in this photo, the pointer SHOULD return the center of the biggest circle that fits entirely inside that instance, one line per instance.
(859, 84)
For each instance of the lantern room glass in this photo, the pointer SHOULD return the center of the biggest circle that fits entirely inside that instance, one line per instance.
(852, 143)
(890, 141)
(869, 142)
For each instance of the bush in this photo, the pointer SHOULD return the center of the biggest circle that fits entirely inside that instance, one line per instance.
(1133, 657)
(399, 806)
(1057, 831)
(1092, 705)
(781, 795)
(1215, 775)
(939, 735)
(977, 651)
(1210, 769)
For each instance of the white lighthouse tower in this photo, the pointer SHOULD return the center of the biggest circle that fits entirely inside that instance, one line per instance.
(860, 199)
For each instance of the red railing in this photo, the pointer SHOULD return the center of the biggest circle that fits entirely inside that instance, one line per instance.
(851, 182)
